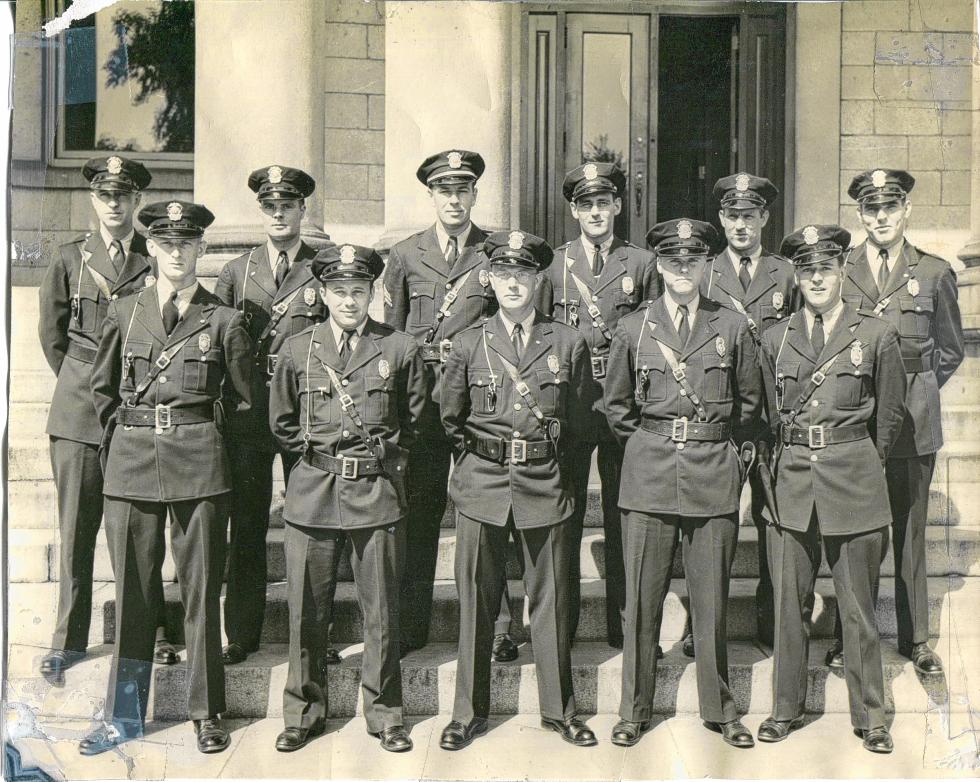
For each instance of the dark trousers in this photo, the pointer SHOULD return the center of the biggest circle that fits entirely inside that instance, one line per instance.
(136, 537)
(481, 555)
(854, 561)
(610, 462)
(312, 555)
(251, 480)
(649, 543)
(763, 592)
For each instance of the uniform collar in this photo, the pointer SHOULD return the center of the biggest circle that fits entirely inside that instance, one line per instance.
(894, 252)
(589, 246)
(338, 332)
(526, 324)
(736, 259)
(291, 252)
(830, 318)
(165, 288)
(692, 307)
(443, 238)
(107, 239)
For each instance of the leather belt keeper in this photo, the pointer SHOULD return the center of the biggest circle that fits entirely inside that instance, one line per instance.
(517, 451)
(599, 366)
(436, 353)
(816, 437)
(347, 467)
(917, 363)
(81, 352)
(164, 416)
(680, 430)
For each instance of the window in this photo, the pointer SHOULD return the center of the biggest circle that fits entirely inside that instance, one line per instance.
(125, 81)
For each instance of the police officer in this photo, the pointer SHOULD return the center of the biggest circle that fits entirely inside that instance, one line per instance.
(83, 277)
(274, 289)
(916, 292)
(596, 280)
(512, 387)
(836, 389)
(170, 358)
(683, 381)
(757, 284)
(346, 399)
(436, 284)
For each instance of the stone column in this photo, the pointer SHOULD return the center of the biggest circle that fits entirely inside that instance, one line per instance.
(448, 84)
(970, 254)
(258, 101)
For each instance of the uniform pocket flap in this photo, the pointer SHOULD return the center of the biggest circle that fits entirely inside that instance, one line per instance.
(138, 349)
(422, 288)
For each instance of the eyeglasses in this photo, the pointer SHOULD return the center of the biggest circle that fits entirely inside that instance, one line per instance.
(504, 275)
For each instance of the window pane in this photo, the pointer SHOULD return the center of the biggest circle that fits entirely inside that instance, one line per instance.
(127, 79)
(606, 98)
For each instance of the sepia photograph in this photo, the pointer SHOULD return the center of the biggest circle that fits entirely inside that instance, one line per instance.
(491, 389)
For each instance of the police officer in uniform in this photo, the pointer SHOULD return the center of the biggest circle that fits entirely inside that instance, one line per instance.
(274, 289)
(436, 284)
(170, 358)
(345, 403)
(916, 292)
(683, 381)
(83, 277)
(512, 387)
(597, 279)
(836, 393)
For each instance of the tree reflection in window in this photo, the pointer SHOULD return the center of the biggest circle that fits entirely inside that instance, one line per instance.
(599, 151)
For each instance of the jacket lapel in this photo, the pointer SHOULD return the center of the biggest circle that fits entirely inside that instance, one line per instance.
(902, 270)
(723, 278)
(580, 264)
(259, 272)
(365, 350)
(614, 267)
(300, 274)
(498, 340)
(538, 343)
(797, 337)
(196, 317)
(325, 347)
(761, 282)
(96, 256)
(137, 263)
(431, 252)
(841, 336)
(469, 255)
(704, 328)
(859, 272)
(660, 327)
(148, 314)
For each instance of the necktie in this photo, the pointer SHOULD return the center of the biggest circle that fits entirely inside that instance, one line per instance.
(743, 274)
(817, 336)
(882, 270)
(282, 267)
(597, 262)
(345, 348)
(170, 314)
(118, 254)
(452, 252)
(683, 326)
(516, 339)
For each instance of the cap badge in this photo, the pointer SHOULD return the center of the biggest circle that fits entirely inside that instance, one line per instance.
(684, 229)
(627, 285)
(553, 364)
(484, 278)
(309, 296)
(777, 300)
(347, 254)
(204, 343)
(149, 281)
(455, 159)
(742, 182)
(857, 355)
(878, 178)
(275, 175)
(175, 212)
(384, 369)
(811, 235)
(516, 240)
(590, 171)
(114, 165)
(720, 345)
(913, 287)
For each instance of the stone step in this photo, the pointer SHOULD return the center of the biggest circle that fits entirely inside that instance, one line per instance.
(950, 551)
(444, 628)
(254, 688)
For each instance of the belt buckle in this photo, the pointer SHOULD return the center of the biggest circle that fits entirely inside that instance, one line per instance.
(444, 347)
(598, 367)
(594, 311)
(346, 402)
(162, 362)
(270, 363)
(678, 373)
(518, 451)
(815, 436)
(679, 430)
(818, 377)
(161, 417)
(450, 296)
(348, 467)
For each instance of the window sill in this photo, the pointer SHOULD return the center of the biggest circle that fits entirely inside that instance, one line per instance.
(66, 174)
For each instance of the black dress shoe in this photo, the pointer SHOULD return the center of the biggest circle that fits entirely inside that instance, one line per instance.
(211, 737)
(54, 665)
(165, 654)
(835, 656)
(504, 649)
(100, 740)
(233, 654)
(395, 739)
(876, 740)
(292, 739)
(771, 731)
(330, 656)
(626, 733)
(456, 735)
(688, 646)
(925, 661)
(733, 733)
(574, 731)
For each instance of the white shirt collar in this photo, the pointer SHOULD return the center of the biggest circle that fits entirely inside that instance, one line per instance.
(107, 239)
(894, 252)
(692, 308)
(589, 246)
(273, 253)
(443, 237)
(526, 325)
(338, 332)
(736, 259)
(165, 289)
(830, 318)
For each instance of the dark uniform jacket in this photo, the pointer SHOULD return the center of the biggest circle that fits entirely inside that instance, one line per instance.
(247, 284)
(70, 333)
(416, 282)
(629, 278)
(185, 461)
(555, 367)
(921, 303)
(720, 362)
(385, 379)
(864, 385)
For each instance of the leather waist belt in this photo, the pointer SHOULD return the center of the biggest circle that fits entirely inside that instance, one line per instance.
(81, 352)
(917, 363)
(437, 352)
(517, 451)
(821, 436)
(164, 416)
(680, 430)
(349, 467)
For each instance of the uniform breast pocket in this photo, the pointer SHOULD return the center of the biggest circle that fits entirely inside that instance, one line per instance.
(787, 384)
(769, 314)
(853, 386)
(483, 392)
(915, 317)
(202, 372)
(717, 377)
(422, 297)
(478, 304)
(319, 399)
(255, 317)
(651, 378)
(90, 310)
(553, 391)
(135, 363)
(303, 315)
(379, 393)
(625, 301)
(856, 300)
